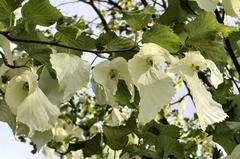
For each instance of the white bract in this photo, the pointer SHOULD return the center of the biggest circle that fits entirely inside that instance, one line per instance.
(154, 86)
(232, 7)
(72, 72)
(30, 105)
(207, 5)
(208, 110)
(50, 87)
(108, 73)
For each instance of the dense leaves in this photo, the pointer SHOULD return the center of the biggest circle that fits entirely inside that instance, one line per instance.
(141, 79)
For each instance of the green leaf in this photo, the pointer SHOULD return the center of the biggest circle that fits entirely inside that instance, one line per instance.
(234, 39)
(89, 147)
(157, 129)
(165, 138)
(163, 36)
(7, 116)
(139, 19)
(225, 137)
(123, 96)
(135, 150)
(205, 23)
(116, 137)
(41, 138)
(173, 14)
(6, 9)
(204, 35)
(120, 43)
(234, 113)
(72, 72)
(70, 36)
(104, 39)
(110, 41)
(26, 31)
(40, 12)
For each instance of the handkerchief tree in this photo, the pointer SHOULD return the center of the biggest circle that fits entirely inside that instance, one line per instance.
(155, 79)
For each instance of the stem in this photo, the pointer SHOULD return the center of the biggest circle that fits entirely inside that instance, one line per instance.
(104, 22)
(232, 78)
(5, 61)
(180, 99)
(228, 46)
(115, 4)
(144, 2)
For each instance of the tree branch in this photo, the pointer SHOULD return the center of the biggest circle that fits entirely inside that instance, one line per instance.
(5, 61)
(115, 4)
(96, 52)
(228, 46)
(104, 22)
(180, 99)
(232, 78)
(145, 3)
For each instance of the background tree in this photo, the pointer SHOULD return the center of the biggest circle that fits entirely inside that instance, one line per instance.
(127, 105)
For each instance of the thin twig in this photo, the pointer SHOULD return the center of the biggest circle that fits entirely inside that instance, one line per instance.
(94, 60)
(164, 4)
(232, 78)
(104, 22)
(96, 52)
(189, 92)
(115, 4)
(145, 3)
(180, 99)
(5, 61)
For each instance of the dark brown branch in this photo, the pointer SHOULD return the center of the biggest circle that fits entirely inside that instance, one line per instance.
(180, 99)
(97, 52)
(228, 46)
(5, 61)
(115, 4)
(189, 92)
(164, 4)
(185, 2)
(145, 3)
(104, 22)
(232, 78)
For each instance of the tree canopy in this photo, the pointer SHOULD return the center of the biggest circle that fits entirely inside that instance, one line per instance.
(166, 84)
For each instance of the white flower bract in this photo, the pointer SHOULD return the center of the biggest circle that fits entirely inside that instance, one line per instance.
(154, 86)
(232, 7)
(72, 72)
(30, 105)
(208, 110)
(207, 5)
(107, 73)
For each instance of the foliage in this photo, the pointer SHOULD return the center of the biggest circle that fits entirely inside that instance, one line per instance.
(126, 102)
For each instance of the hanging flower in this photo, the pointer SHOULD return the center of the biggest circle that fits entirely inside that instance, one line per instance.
(108, 73)
(208, 110)
(30, 105)
(154, 86)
